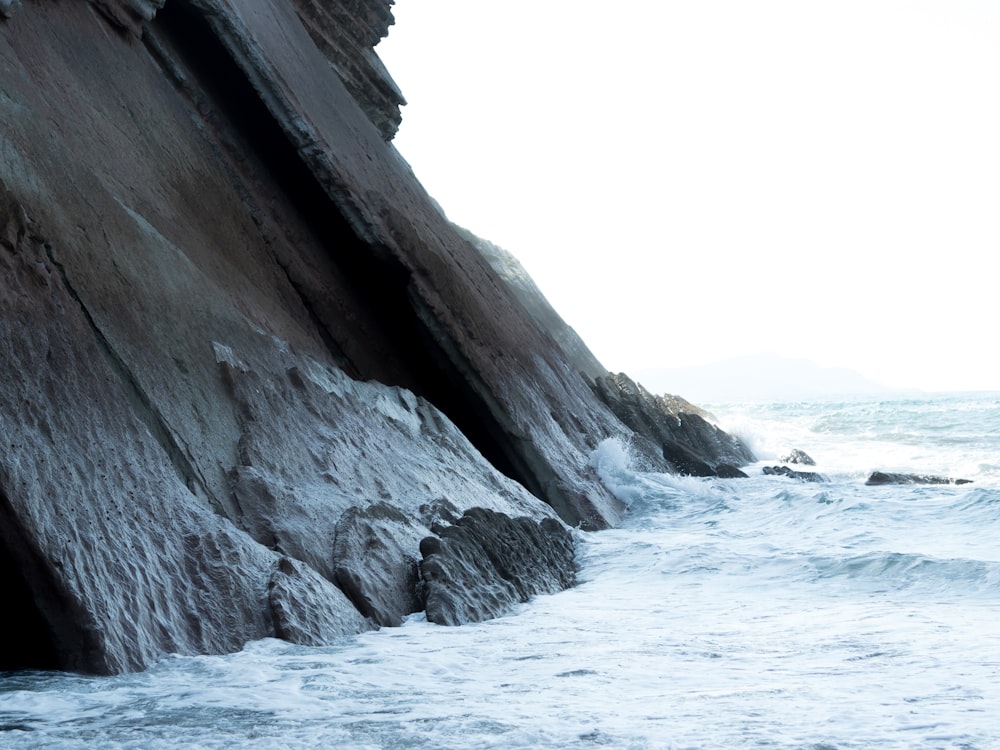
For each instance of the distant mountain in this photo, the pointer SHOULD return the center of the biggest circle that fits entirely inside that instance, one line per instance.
(758, 377)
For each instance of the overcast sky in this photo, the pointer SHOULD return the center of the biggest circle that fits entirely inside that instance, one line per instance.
(693, 180)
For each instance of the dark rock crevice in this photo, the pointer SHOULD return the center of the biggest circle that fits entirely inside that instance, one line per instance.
(43, 629)
(395, 344)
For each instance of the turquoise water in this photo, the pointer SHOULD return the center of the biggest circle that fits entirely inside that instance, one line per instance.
(753, 613)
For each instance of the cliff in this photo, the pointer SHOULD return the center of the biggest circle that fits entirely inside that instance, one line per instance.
(248, 366)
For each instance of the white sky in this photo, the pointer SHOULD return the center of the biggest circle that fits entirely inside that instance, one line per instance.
(693, 180)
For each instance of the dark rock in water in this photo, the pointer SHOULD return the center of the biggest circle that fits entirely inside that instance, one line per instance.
(688, 442)
(7, 7)
(799, 457)
(487, 562)
(883, 477)
(804, 476)
(685, 461)
(728, 471)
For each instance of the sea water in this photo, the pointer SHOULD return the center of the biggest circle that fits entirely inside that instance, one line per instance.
(742, 613)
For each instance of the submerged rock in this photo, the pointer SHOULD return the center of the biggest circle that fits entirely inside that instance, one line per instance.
(728, 471)
(883, 477)
(803, 476)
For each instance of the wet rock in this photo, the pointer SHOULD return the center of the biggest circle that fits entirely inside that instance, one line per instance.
(684, 460)
(802, 476)
(487, 562)
(798, 457)
(309, 610)
(687, 441)
(883, 477)
(728, 471)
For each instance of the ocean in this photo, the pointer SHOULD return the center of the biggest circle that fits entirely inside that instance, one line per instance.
(741, 613)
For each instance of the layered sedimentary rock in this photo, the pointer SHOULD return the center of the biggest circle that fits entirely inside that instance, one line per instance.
(499, 560)
(247, 365)
(346, 31)
(672, 429)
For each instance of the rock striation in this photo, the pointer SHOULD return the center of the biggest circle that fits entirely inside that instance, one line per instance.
(486, 562)
(672, 430)
(346, 32)
(249, 368)
(802, 476)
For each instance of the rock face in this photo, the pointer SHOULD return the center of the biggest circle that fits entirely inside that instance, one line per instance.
(247, 364)
(545, 316)
(674, 430)
(798, 456)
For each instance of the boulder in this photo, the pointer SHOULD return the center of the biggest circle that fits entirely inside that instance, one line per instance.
(377, 553)
(485, 563)
(798, 457)
(309, 610)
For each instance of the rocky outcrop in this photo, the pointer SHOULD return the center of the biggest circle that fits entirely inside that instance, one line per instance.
(346, 31)
(674, 430)
(8, 7)
(885, 477)
(486, 563)
(248, 365)
(728, 471)
(798, 456)
(308, 609)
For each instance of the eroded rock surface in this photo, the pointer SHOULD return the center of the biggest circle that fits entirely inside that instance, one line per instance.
(487, 562)
(309, 610)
